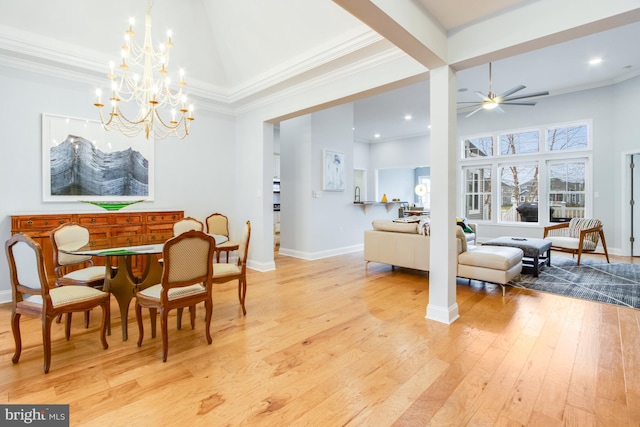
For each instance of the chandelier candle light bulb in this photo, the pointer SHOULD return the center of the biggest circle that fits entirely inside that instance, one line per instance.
(143, 80)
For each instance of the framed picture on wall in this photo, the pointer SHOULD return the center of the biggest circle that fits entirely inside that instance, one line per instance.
(333, 171)
(83, 162)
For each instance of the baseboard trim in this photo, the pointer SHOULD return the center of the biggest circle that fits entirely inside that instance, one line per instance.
(312, 256)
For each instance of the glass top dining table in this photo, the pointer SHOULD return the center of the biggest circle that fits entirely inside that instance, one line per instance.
(118, 252)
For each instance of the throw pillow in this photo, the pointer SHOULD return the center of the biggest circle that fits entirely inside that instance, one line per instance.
(462, 222)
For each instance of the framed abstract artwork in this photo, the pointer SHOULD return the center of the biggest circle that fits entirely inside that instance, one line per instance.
(333, 171)
(83, 162)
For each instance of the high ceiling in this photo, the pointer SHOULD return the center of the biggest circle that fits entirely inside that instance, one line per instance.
(235, 51)
(559, 69)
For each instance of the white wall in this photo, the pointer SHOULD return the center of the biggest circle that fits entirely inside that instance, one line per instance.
(329, 224)
(190, 174)
(397, 184)
(396, 154)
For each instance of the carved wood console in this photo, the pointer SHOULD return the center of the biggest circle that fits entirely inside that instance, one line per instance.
(100, 225)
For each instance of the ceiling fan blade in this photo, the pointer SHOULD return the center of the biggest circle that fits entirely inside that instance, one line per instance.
(473, 112)
(527, 95)
(482, 96)
(469, 102)
(511, 91)
(531, 104)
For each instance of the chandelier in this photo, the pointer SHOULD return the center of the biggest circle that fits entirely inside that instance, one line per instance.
(143, 88)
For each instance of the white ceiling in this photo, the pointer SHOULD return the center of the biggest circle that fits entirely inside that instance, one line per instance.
(558, 69)
(236, 50)
(457, 13)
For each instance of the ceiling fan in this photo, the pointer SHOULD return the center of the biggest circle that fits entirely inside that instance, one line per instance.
(492, 101)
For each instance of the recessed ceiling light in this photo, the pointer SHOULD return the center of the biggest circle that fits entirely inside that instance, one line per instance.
(595, 61)
(429, 126)
(408, 117)
(377, 135)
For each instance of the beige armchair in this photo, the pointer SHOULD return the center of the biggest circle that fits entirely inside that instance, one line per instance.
(576, 236)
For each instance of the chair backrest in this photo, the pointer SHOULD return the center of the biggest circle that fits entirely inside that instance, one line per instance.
(188, 259)
(243, 247)
(218, 224)
(577, 224)
(69, 235)
(187, 224)
(26, 267)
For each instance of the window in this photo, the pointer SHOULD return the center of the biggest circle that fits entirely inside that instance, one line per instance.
(520, 143)
(425, 200)
(567, 138)
(478, 193)
(566, 190)
(542, 174)
(478, 147)
(519, 193)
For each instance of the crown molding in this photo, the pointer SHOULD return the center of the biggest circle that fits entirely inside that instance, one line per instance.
(34, 53)
(331, 51)
(388, 55)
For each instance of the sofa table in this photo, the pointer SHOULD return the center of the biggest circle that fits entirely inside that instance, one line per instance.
(534, 250)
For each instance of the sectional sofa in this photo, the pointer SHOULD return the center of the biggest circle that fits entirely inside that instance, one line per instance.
(407, 245)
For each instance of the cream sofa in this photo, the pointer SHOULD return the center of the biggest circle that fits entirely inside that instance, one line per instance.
(402, 245)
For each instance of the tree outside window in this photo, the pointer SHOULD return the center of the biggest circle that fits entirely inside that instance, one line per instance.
(520, 143)
(567, 138)
(519, 193)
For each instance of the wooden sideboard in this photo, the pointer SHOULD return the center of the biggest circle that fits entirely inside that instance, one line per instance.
(100, 225)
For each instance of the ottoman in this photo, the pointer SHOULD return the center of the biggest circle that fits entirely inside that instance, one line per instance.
(495, 264)
(533, 249)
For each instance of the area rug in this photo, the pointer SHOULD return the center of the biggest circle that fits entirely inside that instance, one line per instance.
(614, 283)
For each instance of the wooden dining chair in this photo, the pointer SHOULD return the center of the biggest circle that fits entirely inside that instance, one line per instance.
(186, 281)
(225, 272)
(179, 227)
(218, 223)
(187, 224)
(32, 296)
(75, 270)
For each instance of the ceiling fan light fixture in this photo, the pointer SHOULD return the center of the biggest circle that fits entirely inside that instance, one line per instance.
(489, 105)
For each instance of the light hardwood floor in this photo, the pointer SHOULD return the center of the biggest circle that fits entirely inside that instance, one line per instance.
(330, 343)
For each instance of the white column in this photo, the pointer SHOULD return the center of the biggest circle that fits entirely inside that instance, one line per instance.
(442, 305)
